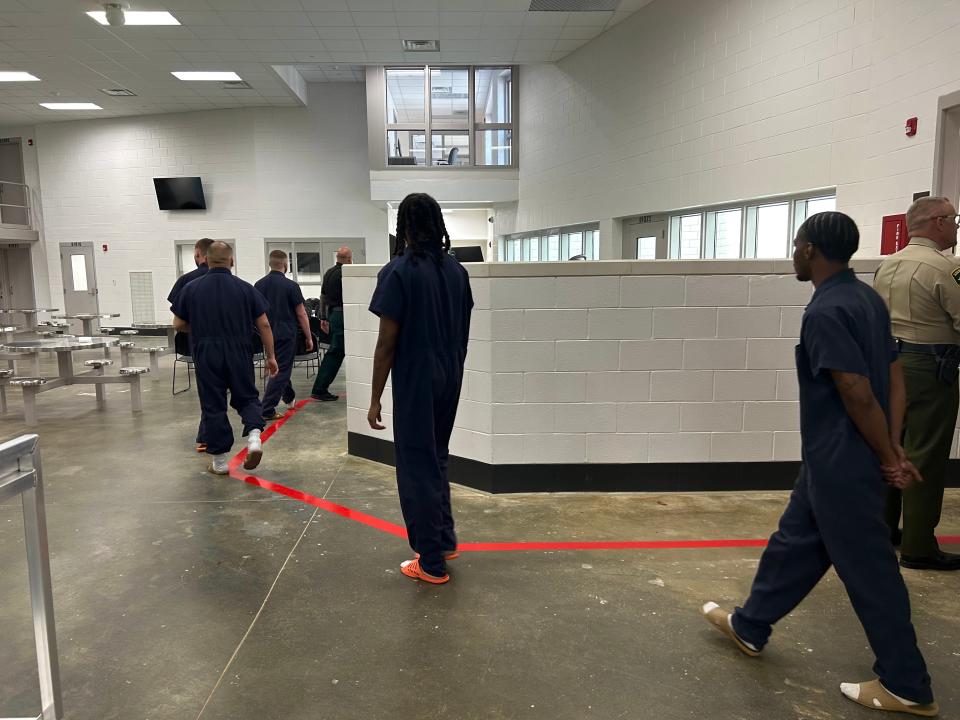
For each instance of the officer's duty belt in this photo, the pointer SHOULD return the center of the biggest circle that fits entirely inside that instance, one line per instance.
(924, 349)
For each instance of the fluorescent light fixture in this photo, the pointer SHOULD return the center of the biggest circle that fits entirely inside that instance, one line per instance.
(71, 106)
(18, 77)
(207, 76)
(136, 17)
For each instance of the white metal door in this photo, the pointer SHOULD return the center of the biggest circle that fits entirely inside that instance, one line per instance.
(79, 279)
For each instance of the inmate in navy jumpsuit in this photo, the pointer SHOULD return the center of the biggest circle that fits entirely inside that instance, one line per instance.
(836, 512)
(429, 298)
(284, 297)
(181, 341)
(222, 310)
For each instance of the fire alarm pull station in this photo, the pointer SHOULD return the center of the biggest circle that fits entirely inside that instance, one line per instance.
(104, 248)
(894, 236)
(911, 127)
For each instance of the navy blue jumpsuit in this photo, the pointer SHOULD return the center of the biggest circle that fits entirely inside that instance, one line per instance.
(284, 297)
(429, 297)
(836, 512)
(222, 310)
(181, 341)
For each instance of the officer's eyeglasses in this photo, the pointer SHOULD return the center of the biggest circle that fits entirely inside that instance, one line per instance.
(955, 219)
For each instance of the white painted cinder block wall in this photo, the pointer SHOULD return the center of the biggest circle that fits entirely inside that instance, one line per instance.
(299, 172)
(612, 362)
(691, 103)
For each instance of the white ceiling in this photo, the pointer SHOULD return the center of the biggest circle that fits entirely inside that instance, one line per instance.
(76, 57)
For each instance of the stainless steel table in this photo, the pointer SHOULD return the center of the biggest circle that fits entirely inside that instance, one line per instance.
(88, 319)
(30, 323)
(64, 347)
(171, 333)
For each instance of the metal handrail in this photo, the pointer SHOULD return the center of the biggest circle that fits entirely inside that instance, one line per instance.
(20, 474)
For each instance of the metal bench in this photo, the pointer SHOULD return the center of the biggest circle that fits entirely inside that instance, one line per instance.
(155, 354)
(97, 367)
(5, 377)
(30, 386)
(132, 374)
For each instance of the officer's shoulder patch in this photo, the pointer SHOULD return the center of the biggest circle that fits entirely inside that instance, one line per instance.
(956, 275)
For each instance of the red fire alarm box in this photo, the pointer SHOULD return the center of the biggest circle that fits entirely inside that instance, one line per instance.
(910, 127)
(894, 235)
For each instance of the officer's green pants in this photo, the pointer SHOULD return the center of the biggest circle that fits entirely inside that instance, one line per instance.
(928, 435)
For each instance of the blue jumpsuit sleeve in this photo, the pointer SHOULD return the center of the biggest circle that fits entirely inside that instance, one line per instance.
(388, 300)
(260, 304)
(830, 345)
(181, 303)
(296, 296)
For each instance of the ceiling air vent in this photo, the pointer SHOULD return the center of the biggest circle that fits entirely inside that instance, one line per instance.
(573, 5)
(235, 85)
(421, 45)
(118, 92)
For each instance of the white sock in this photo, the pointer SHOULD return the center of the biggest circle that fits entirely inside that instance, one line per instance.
(255, 433)
(749, 645)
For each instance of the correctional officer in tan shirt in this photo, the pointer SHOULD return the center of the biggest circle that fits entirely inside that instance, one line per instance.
(921, 286)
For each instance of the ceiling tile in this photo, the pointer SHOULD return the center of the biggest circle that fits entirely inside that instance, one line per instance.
(331, 19)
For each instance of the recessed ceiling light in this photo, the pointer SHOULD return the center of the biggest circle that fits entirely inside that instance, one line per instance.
(206, 76)
(135, 17)
(421, 45)
(18, 77)
(71, 106)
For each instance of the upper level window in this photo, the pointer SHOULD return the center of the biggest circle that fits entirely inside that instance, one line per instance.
(443, 116)
(552, 245)
(754, 229)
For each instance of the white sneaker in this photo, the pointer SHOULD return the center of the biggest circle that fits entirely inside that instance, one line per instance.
(218, 466)
(254, 450)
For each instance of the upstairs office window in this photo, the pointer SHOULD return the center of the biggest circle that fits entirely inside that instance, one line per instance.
(439, 116)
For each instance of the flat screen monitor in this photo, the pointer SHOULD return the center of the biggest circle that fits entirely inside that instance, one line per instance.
(468, 253)
(180, 193)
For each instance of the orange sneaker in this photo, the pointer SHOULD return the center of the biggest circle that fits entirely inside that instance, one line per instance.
(412, 569)
(201, 447)
(452, 555)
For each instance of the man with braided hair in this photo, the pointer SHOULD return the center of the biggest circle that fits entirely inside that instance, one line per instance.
(424, 302)
(852, 400)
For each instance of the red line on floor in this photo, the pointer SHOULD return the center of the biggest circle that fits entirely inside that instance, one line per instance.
(237, 472)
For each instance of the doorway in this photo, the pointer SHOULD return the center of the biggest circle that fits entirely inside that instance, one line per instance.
(79, 281)
(946, 170)
(645, 238)
(13, 193)
(16, 277)
(311, 258)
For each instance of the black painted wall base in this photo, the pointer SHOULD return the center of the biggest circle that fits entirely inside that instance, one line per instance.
(637, 477)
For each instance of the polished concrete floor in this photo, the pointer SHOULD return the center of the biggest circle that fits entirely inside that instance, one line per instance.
(180, 595)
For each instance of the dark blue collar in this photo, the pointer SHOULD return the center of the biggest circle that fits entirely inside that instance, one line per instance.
(840, 278)
(219, 270)
(276, 272)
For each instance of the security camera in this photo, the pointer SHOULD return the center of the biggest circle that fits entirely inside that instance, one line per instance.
(115, 13)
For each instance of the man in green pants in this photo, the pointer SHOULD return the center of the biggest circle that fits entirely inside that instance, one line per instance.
(331, 314)
(921, 286)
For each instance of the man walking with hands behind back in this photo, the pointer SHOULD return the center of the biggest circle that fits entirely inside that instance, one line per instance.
(922, 289)
(851, 409)
(286, 313)
(220, 312)
(331, 315)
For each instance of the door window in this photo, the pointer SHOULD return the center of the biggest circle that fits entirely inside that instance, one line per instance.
(78, 263)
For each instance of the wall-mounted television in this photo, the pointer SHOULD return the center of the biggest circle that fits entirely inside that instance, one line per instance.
(180, 193)
(468, 253)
